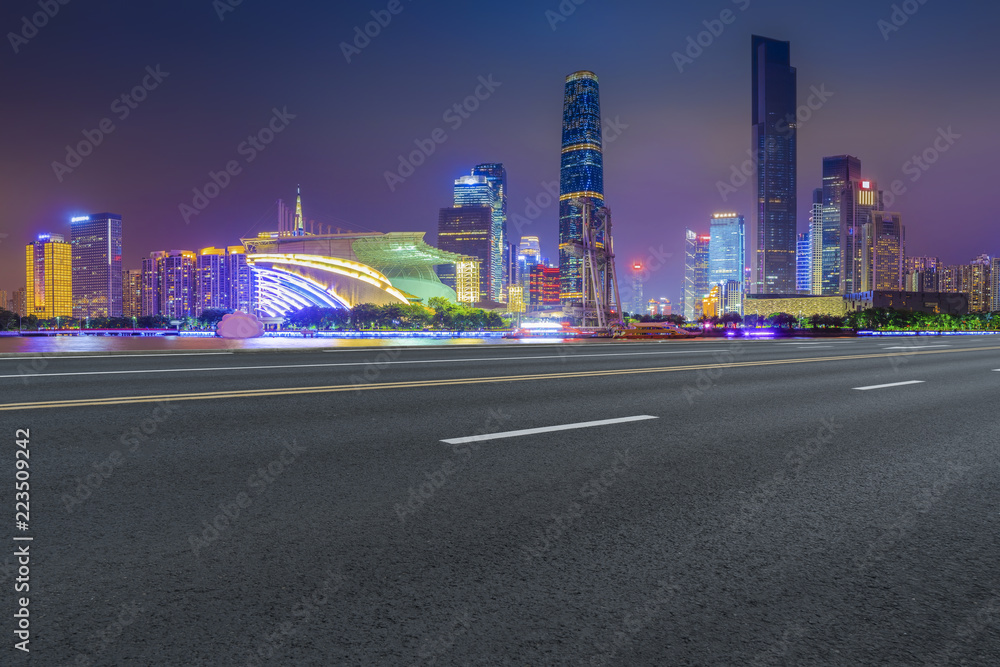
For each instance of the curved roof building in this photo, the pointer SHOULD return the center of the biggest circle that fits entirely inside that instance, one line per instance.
(296, 270)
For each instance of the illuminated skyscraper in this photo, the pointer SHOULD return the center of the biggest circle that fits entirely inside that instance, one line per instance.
(241, 281)
(980, 287)
(178, 292)
(840, 173)
(773, 225)
(696, 273)
(132, 293)
(151, 267)
(487, 191)
(816, 244)
(581, 175)
(496, 176)
(726, 249)
(169, 284)
(97, 265)
(803, 264)
(883, 249)
(49, 277)
(211, 286)
(467, 230)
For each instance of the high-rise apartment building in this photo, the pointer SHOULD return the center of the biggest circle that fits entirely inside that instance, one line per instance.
(773, 224)
(581, 179)
(241, 280)
(980, 285)
(467, 230)
(132, 293)
(696, 273)
(211, 284)
(49, 277)
(97, 265)
(726, 248)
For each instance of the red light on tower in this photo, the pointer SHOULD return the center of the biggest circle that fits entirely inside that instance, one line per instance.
(637, 266)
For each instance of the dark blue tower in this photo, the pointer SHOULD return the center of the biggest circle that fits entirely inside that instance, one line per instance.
(773, 235)
(581, 176)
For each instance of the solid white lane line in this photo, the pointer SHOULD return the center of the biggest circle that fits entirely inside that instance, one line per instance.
(546, 429)
(813, 346)
(913, 347)
(886, 386)
(120, 356)
(346, 363)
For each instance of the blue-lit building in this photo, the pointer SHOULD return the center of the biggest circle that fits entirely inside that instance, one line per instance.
(726, 249)
(773, 224)
(696, 272)
(803, 265)
(496, 177)
(839, 172)
(97, 265)
(486, 187)
(581, 175)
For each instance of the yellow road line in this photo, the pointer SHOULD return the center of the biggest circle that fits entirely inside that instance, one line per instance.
(293, 391)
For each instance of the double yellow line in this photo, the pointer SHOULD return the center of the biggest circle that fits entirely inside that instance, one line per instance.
(296, 391)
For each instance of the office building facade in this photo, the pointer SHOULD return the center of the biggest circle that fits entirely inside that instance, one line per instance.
(97, 265)
(468, 231)
(727, 248)
(49, 277)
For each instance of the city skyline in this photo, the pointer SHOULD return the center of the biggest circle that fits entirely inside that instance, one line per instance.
(645, 116)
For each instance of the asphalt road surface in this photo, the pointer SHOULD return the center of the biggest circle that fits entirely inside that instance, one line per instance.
(712, 502)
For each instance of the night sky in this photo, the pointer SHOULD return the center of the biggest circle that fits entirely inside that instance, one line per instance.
(685, 130)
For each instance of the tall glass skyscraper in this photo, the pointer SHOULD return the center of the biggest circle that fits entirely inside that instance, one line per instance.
(97, 265)
(839, 173)
(496, 176)
(487, 187)
(772, 241)
(696, 285)
(726, 253)
(581, 175)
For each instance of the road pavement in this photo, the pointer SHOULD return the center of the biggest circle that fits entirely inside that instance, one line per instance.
(708, 502)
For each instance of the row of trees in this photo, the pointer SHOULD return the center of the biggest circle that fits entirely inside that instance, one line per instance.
(438, 314)
(10, 321)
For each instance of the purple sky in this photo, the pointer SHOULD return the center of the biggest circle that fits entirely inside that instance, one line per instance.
(685, 130)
